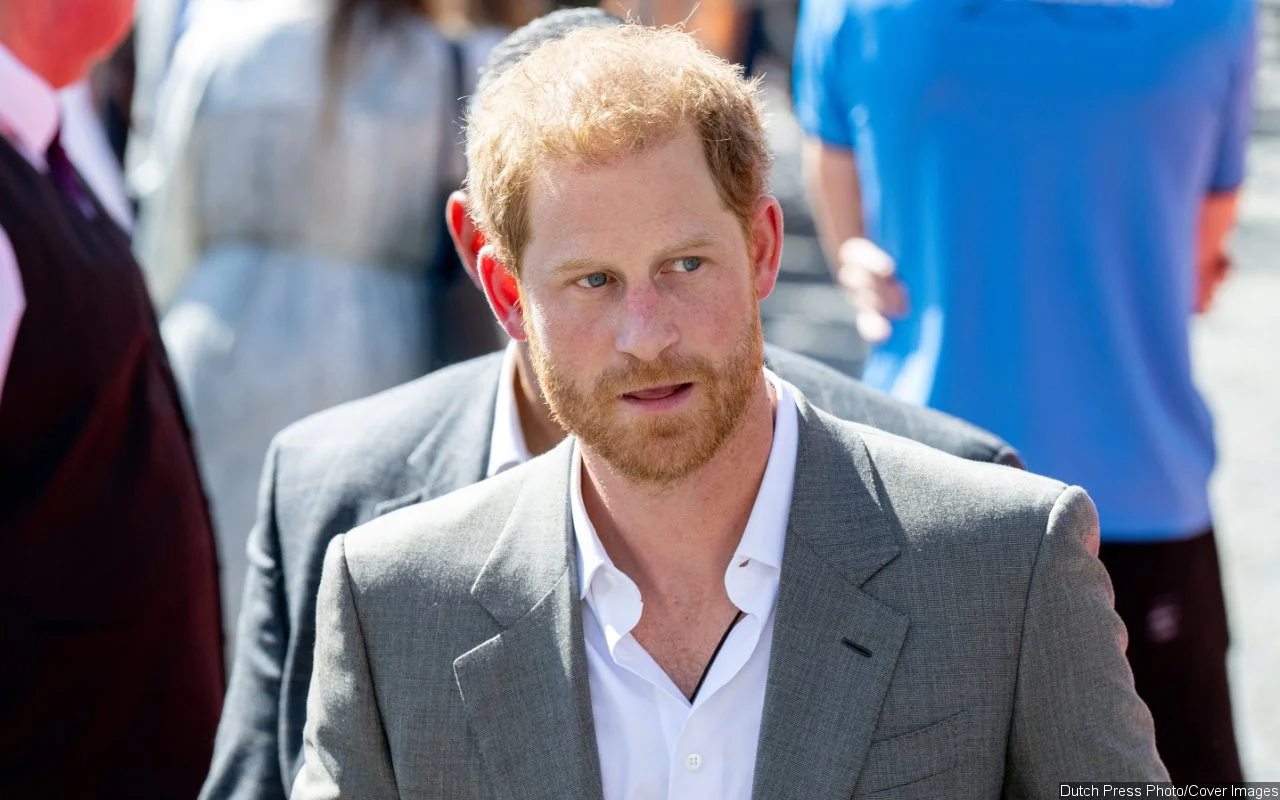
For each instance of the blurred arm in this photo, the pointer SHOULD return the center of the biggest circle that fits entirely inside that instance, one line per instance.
(859, 265)
(1217, 219)
(827, 39)
(166, 235)
(1218, 213)
(831, 179)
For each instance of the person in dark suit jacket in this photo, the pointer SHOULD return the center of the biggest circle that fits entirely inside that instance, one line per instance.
(111, 663)
(359, 461)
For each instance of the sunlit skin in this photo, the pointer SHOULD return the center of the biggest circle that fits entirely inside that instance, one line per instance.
(634, 266)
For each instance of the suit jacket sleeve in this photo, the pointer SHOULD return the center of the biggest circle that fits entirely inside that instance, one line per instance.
(345, 750)
(246, 754)
(1076, 715)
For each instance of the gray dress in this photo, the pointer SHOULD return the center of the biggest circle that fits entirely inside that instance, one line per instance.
(289, 264)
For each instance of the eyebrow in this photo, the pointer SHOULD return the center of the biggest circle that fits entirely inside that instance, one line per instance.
(584, 264)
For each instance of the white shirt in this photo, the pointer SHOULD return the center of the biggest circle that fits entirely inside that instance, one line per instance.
(507, 447)
(29, 121)
(84, 139)
(653, 743)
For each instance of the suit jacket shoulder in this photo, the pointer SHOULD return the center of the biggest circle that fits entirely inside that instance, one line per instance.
(953, 613)
(381, 447)
(919, 480)
(326, 475)
(849, 399)
(435, 549)
(978, 588)
(451, 627)
(925, 505)
(398, 417)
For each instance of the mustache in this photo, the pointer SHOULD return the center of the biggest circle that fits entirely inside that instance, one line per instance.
(669, 370)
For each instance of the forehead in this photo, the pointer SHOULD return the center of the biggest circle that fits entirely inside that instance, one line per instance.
(632, 204)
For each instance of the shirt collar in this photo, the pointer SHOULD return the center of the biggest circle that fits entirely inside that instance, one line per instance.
(752, 576)
(28, 108)
(507, 447)
(591, 554)
(608, 591)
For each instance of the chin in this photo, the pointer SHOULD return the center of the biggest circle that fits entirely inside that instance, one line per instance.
(645, 455)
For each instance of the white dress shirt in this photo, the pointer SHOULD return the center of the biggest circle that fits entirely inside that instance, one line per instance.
(29, 121)
(653, 743)
(507, 446)
(84, 139)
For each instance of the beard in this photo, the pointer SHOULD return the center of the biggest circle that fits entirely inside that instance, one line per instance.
(663, 448)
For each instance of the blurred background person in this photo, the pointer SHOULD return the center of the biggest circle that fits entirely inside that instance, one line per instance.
(1020, 195)
(158, 26)
(111, 678)
(304, 149)
(722, 26)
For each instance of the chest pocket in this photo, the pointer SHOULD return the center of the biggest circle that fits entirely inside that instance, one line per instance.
(895, 765)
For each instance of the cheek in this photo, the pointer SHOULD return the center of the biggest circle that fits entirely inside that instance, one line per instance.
(716, 329)
(719, 309)
(567, 332)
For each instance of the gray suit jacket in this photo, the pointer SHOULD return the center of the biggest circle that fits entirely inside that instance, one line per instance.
(348, 465)
(450, 660)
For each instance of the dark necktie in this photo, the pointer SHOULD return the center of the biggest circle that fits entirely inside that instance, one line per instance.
(64, 174)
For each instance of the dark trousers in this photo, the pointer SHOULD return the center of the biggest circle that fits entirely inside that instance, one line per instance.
(1169, 595)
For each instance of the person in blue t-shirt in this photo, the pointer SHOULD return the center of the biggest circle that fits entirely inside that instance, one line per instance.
(1027, 199)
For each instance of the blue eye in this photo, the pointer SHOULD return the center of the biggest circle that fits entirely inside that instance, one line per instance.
(687, 264)
(594, 281)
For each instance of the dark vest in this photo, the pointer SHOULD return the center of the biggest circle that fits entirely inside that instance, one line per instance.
(111, 671)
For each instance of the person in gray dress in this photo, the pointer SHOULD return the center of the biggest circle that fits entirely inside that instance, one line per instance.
(301, 154)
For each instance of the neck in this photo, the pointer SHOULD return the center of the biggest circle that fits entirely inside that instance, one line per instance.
(541, 432)
(677, 539)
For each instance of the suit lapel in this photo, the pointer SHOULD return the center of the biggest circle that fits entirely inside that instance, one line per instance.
(526, 690)
(834, 646)
(455, 452)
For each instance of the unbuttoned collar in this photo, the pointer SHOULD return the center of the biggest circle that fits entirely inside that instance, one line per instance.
(28, 108)
(752, 577)
(507, 446)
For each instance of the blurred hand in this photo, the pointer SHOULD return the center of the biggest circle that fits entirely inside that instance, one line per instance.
(870, 277)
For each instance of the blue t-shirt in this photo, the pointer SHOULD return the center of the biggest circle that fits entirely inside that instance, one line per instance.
(1037, 170)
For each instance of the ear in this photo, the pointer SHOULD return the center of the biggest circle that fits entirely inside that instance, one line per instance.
(467, 238)
(503, 292)
(764, 244)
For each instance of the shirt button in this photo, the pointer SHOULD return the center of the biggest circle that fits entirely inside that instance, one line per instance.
(692, 762)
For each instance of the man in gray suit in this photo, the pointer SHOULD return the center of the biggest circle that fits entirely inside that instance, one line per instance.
(346, 466)
(713, 589)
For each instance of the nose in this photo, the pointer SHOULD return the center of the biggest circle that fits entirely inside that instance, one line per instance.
(647, 327)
